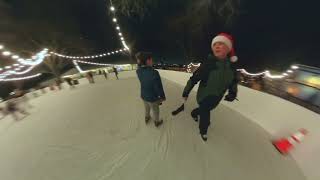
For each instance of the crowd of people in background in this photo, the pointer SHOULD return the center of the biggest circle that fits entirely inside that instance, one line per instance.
(17, 103)
(90, 75)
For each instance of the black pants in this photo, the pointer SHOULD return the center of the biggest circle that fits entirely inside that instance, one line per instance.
(205, 106)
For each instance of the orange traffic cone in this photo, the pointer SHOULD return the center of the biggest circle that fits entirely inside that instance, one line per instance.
(284, 145)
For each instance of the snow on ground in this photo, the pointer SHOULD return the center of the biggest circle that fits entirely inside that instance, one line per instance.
(97, 132)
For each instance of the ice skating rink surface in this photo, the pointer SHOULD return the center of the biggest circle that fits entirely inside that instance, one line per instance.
(97, 132)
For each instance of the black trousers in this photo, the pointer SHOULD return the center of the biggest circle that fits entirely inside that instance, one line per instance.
(205, 106)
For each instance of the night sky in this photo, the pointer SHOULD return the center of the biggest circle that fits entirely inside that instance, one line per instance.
(269, 34)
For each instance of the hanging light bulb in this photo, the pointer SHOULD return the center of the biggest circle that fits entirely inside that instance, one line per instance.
(112, 8)
(6, 53)
(1, 46)
(15, 57)
(114, 20)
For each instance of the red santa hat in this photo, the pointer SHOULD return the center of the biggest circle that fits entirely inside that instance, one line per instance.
(227, 39)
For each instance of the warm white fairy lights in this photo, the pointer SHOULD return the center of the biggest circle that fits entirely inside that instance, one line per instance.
(117, 26)
(15, 69)
(267, 74)
(91, 56)
(264, 73)
(121, 38)
(77, 66)
(34, 61)
(6, 53)
(92, 63)
(247, 73)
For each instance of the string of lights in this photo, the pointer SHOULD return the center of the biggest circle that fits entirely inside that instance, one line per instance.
(92, 63)
(121, 38)
(77, 66)
(117, 27)
(38, 59)
(20, 61)
(265, 73)
(91, 56)
(247, 73)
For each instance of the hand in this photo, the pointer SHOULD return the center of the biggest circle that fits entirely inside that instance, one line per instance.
(229, 98)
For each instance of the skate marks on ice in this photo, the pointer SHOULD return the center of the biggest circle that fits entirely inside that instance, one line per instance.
(110, 140)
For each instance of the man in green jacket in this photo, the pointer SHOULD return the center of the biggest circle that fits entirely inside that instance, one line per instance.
(216, 74)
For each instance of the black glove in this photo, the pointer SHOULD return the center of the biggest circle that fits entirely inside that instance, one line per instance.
(230, 97)
(185, 95)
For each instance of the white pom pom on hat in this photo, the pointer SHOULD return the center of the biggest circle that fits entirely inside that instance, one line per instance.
(227, 39)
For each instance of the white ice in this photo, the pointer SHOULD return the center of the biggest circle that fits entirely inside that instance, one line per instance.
(97, 132)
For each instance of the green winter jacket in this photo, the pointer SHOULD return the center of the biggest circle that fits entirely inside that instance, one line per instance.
(216, 77)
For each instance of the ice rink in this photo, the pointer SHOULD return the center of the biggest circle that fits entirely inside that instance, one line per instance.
(97, 132)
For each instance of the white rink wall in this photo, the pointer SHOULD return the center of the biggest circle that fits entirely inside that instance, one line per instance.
(278, 117)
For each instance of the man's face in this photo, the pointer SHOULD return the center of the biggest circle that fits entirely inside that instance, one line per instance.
(220, 50)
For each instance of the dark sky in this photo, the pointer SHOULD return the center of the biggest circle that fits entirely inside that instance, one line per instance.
(269, 34)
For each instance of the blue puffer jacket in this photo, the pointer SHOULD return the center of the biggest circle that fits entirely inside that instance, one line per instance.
(151, 85)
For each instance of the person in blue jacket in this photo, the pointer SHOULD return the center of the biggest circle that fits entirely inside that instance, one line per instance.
(152, 92)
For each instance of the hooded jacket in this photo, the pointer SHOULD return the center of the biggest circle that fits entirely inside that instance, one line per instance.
(151, 85)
